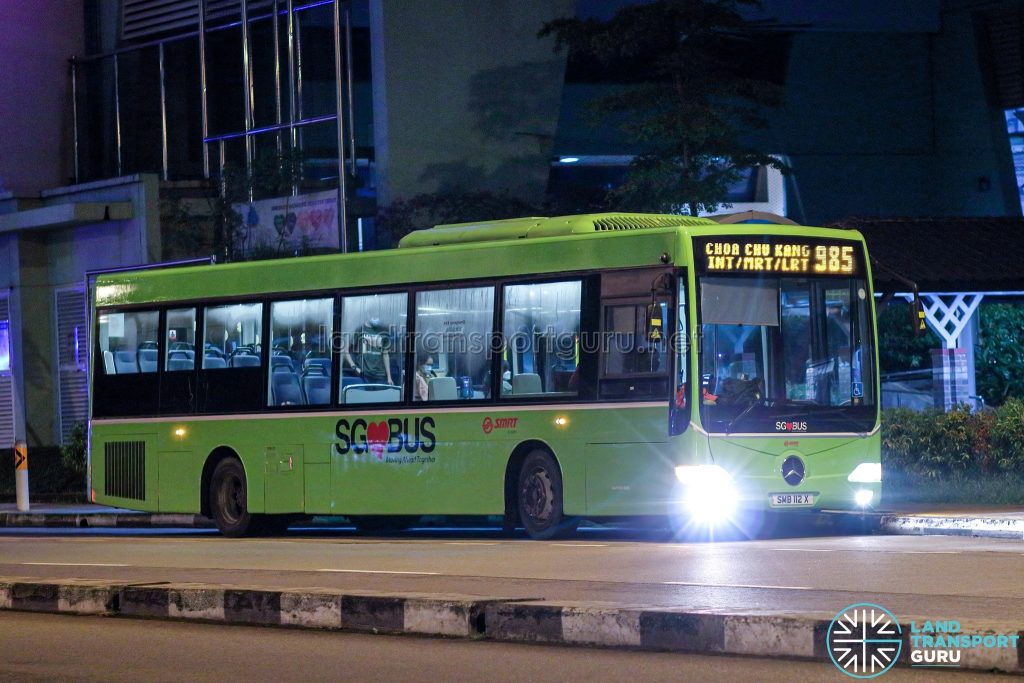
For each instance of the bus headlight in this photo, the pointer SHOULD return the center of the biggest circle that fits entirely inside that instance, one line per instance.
(708, 492)
(866, 473)
(863, 497)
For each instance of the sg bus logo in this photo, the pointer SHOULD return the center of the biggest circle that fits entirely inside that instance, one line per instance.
(392, 435)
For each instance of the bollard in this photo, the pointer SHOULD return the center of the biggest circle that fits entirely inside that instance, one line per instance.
(21, 474)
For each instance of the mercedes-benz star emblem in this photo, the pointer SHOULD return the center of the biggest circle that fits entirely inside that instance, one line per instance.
(793, 470)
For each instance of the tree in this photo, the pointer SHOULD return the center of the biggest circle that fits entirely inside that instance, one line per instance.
(899, 349)
(687, 115)
(440, 208)
(999, 360)
(191, 226)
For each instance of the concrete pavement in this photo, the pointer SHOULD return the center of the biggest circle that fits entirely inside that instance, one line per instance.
(768, 598)
(43, 647)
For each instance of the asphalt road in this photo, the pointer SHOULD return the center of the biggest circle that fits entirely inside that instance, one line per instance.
(43, 647)
(963, 578)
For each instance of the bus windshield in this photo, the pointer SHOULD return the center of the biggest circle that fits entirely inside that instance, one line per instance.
(786, 354)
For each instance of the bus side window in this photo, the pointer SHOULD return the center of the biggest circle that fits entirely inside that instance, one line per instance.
(453, 328)
(372, 357)
(180, 342)
(542, 339)
(299, 372)
(232, 336)
(128, 342)
(125, 374)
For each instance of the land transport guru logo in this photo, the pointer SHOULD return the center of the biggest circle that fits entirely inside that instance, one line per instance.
(865, 640)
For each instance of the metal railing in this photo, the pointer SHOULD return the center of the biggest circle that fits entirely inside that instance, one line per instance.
(343, 76)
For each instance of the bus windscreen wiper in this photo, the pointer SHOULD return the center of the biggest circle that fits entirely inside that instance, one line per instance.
(743, 413)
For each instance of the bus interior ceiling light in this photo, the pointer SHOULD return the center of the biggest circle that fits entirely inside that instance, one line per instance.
(568, 160)
(863, 497)
(709, 493)
(866, 473)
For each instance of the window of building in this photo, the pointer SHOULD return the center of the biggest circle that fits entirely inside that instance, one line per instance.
(231, 336)
(128, 342)
(180, 342)
(5, 347)
(541, 329)
(372, 358)
(300, 355)
(453, 333)
(6, 379)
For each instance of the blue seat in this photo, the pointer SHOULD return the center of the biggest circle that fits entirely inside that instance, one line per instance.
(125, 362)
(317, 388)
(285, 389)
(213, 362)
(244, 360)
(180, 360)
(279, 362)
(323, 363)
(349, 380)
(147, 360)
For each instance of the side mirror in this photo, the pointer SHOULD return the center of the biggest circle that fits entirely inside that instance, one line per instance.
(655, 325)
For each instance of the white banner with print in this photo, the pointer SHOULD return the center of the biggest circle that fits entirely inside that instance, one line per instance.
(284, 223)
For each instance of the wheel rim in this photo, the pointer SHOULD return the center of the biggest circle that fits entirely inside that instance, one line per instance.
(231, 498)
(538, 496)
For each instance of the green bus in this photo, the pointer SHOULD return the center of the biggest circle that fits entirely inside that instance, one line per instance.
(540, 369)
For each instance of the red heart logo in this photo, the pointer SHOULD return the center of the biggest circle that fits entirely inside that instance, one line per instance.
(377, 435)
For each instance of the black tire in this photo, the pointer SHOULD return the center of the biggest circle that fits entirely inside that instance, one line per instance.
(539, 497)
(229, 499)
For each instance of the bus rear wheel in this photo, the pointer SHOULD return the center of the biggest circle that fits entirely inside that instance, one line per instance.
(539, 497)
(229, 498)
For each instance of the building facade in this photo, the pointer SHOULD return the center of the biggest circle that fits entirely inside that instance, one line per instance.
(130, 106)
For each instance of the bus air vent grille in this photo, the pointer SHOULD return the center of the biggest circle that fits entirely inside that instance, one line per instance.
(637, 222)
(124, 467)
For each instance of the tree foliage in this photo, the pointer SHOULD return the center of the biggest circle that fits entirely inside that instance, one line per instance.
(899, 350)
(999, 358)
(213, 224)
(687, 116)
(439, 208)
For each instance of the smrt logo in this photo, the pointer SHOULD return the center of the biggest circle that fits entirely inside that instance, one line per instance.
(489, 424)
(791, 426)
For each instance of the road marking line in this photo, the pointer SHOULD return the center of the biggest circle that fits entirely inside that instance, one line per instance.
(579, 545)
(471, 543)
(808, 550)
(736, 585)
(375, 571)
(923, 552)
(75, 564)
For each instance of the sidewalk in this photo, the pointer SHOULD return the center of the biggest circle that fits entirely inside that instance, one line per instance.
(955, 520)
(645, 627)
(84, 516)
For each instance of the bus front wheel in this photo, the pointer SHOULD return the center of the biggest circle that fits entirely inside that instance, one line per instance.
(539, 496)
(228, 498)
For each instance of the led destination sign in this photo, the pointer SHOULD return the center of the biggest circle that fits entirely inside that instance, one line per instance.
(780, 255)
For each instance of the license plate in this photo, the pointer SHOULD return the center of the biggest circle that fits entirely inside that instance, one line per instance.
(791, 499)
